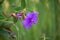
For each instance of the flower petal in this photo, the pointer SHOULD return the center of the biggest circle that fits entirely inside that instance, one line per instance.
(19, 15)
(35, 19)
(27, 25)
(36, 13)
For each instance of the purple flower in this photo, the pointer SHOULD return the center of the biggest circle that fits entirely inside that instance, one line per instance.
(31, 18)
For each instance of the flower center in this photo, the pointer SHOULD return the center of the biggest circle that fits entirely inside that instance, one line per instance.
(31, 20)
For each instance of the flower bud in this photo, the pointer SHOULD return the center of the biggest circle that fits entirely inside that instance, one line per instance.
(14, 15)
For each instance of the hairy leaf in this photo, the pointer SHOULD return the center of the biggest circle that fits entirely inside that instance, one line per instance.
(4, 33)
(6, 24)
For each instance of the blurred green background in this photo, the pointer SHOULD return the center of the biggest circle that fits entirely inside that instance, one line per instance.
(48, 26)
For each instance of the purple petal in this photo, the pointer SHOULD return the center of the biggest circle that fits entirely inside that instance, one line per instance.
(29, 14)
(27, 25)
(19, 15)
(35, 19)
(36, 13)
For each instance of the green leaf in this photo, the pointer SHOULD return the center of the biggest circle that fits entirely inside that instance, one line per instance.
(1, 15)
(17, 5)
(1, 1)
(23, 4)
(6, 24)
(4, 33)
